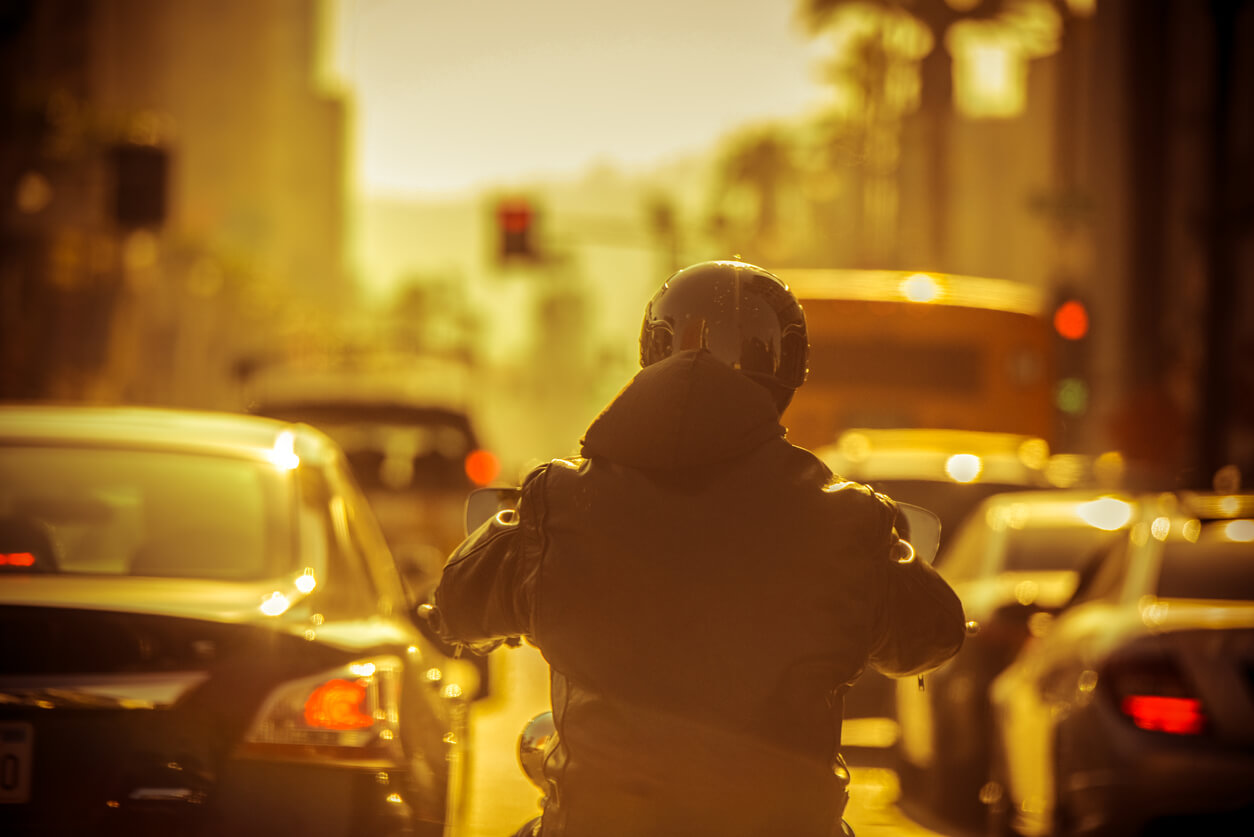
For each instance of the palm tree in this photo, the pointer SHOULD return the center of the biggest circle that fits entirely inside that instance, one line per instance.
(935, 69)
(758, 169)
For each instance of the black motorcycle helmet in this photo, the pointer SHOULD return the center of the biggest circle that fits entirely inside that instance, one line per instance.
(743, 315)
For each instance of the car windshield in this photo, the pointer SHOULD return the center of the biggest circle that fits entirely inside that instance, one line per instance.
(1207, 570)
(135, 512)
(1045, 548)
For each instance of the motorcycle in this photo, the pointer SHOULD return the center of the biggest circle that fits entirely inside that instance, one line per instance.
(918, 527)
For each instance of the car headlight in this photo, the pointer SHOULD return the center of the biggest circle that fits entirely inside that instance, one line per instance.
(346, 714)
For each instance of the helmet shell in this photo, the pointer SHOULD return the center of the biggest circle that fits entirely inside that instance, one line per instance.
(742, 314)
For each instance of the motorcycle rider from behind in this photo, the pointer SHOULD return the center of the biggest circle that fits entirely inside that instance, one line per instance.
(702, 590)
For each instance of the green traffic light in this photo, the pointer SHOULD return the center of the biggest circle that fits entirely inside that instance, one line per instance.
(1072, 396)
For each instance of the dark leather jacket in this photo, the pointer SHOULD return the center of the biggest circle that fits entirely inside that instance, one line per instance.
(702, 590)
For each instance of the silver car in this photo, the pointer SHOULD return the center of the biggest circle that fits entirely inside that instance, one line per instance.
(202, 631)
(1133, 710)
(1018, 553)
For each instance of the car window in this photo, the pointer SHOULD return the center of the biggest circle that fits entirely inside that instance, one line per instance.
(1044, 548)
(1207, 570)
(1101, 577)
(367, 541)
(141, 512)
(347, 588)
(964, 555)
(399, 458)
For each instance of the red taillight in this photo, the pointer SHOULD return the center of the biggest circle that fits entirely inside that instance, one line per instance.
(1153, 693)
(17, 559)
(343, 715)
(482, 467)
(336, 704)
(1181, 716)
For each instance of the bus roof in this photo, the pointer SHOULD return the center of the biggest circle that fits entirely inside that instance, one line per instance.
(915, 287)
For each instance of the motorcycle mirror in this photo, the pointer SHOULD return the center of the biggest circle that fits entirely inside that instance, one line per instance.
(484, 503)
(534, 743)
(922, 530)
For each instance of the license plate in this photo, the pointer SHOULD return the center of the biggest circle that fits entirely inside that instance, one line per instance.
(15, 752)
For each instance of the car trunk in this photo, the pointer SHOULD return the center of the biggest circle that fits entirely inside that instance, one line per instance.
(127, 718)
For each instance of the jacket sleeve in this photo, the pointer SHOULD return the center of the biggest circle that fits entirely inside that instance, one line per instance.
(486, 590)
(921, 623)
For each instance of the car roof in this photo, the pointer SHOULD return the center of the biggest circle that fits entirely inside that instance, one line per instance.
(924, 454)
(1181, 516)
(1214, 505)
(168, 428)
(361, 409)
(1099, 508)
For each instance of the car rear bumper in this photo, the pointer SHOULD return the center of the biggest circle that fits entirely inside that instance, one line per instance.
(1127, 778)
(248, 798)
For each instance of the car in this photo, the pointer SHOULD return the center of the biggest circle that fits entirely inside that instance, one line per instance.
(1016, 553)
(202, 631)
(947, 472)
(1132, 709)
(416, 460)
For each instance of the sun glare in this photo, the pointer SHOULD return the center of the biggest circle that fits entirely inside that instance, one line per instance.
(1109, 513)
(964, 467)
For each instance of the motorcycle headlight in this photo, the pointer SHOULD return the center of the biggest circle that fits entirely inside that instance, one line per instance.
(346, 714)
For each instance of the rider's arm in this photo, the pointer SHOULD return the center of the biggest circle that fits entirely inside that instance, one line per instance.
(921, 622)
(486, 589)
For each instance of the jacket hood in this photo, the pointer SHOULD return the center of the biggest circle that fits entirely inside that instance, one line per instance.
(687, 410)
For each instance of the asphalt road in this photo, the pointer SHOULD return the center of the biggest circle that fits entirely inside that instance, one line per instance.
(499, 799)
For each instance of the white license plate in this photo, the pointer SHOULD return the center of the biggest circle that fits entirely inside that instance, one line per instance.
(15, 751)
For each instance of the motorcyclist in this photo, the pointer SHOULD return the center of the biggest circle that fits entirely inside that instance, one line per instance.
(702, 590)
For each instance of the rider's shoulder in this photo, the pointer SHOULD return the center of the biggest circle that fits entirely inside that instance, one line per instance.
(567, 465)
(854, 491)
(839, 486)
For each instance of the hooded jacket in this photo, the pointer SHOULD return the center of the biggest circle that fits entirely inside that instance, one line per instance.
(702, 591)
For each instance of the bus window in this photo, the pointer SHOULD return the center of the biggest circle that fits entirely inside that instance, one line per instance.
(977, 356)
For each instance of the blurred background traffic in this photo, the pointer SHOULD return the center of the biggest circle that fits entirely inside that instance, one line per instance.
(1020, 229)
(202, 197)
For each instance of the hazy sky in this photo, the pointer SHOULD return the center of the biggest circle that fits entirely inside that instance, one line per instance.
(451, 95)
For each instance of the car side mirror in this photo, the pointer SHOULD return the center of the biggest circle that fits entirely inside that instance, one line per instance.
(485, 503)
(922, 530)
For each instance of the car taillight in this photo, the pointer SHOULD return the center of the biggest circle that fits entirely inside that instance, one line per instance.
(338, 704)
(17, 559)
(482, 467)
(1182, 716)
(345, 714)
(1154, 695)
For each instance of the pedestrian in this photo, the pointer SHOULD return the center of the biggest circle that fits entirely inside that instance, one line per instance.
(702, 590)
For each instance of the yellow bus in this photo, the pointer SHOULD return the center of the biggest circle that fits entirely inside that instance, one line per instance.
(905, 349)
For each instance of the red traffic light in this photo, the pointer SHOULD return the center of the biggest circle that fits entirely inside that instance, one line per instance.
(515, 219)
(1071, 320)
(514, 215)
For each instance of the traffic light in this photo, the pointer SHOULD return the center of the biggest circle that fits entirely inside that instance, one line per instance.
(1071, 319)
(516, 222)
(1072, 326)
